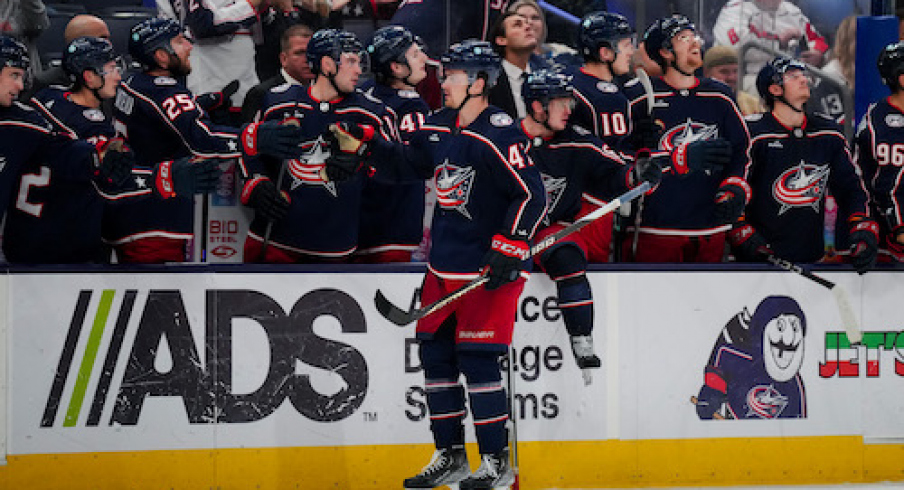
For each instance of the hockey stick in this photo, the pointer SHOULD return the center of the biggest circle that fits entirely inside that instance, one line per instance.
(513, 438)
(716, 415)
(401, 317)
(845, 310)
(644, 80)
(279, 180)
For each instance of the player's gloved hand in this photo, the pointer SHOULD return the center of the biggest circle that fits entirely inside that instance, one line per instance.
(348, 150)
(503, 260)
(645, 134)
(261, 194)
(646, 169)
(709, 401)
(749, 245)
(214, 100)
(271, 138)
(864, 238)
(732, 196)
(114, 163)
(186, 177)
(707, 156)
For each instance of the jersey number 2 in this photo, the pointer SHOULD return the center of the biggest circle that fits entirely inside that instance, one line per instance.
(28, 181)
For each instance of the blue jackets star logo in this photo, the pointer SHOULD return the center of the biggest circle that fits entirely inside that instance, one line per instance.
(308, 169)
(453, 187)
(800, 186)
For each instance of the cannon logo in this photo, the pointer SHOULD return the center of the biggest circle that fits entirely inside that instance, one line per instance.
(206, 388)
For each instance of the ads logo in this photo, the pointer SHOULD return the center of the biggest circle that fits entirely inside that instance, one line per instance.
(90, 357)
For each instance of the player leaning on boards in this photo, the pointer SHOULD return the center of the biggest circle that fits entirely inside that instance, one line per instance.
(686, 219)
(57, 220)
(572, 162)
(879, 152)
(161, 121)
(330, 199)
(392, 214)
(795, 160)
(490, 202)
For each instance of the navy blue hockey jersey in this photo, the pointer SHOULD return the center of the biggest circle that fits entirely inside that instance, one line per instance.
(485, 181)
(791, 171)
(601, 107)
(392, 214)
(33, 157)
(161, 121)
(323, 217)
(879, 153)
(685, 204)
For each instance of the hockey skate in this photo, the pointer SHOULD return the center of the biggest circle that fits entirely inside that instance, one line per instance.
(495, 472)
(447, 467)
(586, 358)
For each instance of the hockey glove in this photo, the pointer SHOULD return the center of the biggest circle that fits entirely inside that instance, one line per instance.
(864, 238)
(749, 245)
(709, 401)
(503, 260)
(646, 169)
(348, 150)
(645, 134)
(115, 162)
(185, 178)
(731, 197)
(214, 100)
(268, 202)
(271, 138)
(707, 156)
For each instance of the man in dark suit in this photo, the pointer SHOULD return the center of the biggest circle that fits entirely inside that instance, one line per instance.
(295, 69)
(514, 39)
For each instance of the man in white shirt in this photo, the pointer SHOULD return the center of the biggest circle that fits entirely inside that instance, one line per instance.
(514, 39)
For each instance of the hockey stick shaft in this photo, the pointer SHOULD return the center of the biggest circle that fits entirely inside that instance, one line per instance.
(845, 310)
(401, 317)
(513, 438)
(644, 80)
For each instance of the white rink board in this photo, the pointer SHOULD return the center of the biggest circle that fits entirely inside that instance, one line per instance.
(654, 329)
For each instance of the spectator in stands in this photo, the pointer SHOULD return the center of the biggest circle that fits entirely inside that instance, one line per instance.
(721, 63)
(277, 16)
(295, 70)
(545, 54)
(82, 25)
(25, 20)
(841, 65)
(776, 24)
(514, 39)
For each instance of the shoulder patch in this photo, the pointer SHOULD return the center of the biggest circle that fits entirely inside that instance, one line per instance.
(894, 120)
(501, 119)
(753, 117)
(165, 81)
(607, 87)
(93, 115)
(408, 94)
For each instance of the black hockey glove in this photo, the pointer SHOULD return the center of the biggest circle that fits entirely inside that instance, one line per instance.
(282, 141)
(214, 100)
(707, 156)
(114, 163)
(748, 244)
(709, 401)
(731, 198)
(864, 238)
(185, 177)
(348, 150)
(503, 260)
(646, 169)
(645, 134)
(268, 202)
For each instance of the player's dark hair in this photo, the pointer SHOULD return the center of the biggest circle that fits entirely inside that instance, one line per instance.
(498, 30)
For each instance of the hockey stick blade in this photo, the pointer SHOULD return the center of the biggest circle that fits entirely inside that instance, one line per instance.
(401, 317)
(845, 310)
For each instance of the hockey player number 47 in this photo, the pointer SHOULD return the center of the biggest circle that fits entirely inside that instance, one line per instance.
(177, 104)
(516, 157)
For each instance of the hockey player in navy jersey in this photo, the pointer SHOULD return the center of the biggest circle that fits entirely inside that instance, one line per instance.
(337, 59)
(572, 161)
(161, 121)
(439, 22)
(490, 201)
(880, 153)
(32, 152)
(607, 43)
(795, 160)
(686, 220)
(59, 221)
(392, 214)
